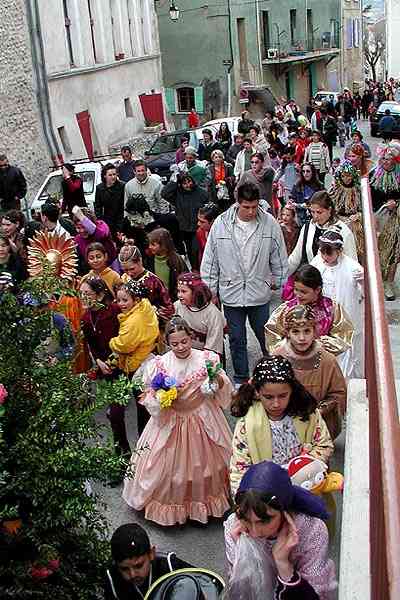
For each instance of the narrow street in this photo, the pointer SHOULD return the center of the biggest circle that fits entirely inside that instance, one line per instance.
(204, 545)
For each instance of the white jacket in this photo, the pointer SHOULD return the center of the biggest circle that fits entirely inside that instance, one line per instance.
(222, 267)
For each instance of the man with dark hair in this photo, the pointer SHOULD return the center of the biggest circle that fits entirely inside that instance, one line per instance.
(207, 146)
(236, 147)
(136, 564)
(387, 125)
(12, 185)
(244, 259)
(328, 130)
(148, 185)
(109, 199)
(50, 217)
(126, 169)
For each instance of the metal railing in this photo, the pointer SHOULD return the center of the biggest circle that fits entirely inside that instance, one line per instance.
(384, 426)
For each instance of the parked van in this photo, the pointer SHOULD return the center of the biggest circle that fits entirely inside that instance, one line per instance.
(51, 189)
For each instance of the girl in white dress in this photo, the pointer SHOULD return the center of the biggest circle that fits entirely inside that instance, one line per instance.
(343, 282)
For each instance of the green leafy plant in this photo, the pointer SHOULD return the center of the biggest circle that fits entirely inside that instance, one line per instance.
(51, 451)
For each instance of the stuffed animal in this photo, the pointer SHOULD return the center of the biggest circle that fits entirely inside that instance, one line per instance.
(312, 474)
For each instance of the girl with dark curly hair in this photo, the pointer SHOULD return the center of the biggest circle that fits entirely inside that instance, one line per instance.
(278, 420)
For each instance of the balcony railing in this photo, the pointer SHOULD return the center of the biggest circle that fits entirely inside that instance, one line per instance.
(384, 427)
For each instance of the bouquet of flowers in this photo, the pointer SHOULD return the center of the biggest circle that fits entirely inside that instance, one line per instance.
(165, 389)
(210, 385)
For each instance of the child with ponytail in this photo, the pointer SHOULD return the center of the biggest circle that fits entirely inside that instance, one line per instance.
(278, 420)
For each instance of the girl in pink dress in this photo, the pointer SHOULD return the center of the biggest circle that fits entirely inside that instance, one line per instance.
(181, 465)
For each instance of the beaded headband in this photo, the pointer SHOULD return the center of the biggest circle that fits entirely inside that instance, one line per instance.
(273, 369)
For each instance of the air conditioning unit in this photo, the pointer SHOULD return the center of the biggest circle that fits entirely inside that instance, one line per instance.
(272, 53)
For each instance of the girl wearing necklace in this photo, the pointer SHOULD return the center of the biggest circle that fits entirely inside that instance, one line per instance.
(278, 420)
(313, 366)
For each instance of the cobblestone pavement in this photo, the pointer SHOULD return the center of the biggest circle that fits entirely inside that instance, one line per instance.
(204, 545)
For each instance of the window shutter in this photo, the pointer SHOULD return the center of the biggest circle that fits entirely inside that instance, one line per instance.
(198, 99)
(170, 100)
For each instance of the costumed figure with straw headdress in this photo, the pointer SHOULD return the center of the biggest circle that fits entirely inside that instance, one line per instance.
(59, 254)
(385, 190)
(346, 195)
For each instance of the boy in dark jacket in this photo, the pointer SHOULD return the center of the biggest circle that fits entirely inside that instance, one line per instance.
(136, 564)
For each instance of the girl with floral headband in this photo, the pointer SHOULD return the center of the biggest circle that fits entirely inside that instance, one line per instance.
(278, 420)
(385, 191)
(195, 305)
(313, 366)
(184, 473)
(345, 192)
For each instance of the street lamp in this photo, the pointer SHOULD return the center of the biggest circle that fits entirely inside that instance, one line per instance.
(173, 12)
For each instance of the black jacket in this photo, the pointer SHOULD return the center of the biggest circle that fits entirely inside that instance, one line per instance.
(116, 588)
(109, 205)
(12, 188)
(205, 152)
(186, 204)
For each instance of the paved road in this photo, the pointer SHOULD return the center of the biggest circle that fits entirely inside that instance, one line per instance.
(203, 545)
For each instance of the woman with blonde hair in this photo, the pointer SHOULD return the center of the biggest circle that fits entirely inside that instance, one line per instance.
(221, 180)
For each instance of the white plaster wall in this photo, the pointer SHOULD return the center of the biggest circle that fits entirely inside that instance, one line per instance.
(102, 93)
(99, 83)
(393, 38)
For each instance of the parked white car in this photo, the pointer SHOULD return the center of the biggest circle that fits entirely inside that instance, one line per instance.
(90, 173)
(323, 96)
(215, 124)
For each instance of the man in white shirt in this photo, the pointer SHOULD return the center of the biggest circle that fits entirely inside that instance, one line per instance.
(50, 213)
(244, 259)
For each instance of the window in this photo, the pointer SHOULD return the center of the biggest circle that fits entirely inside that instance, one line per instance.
(293, 27)
(265, 30)
(64, 140)
(113, 28)
(131, 23)
(128, 108)
(92, 36)
(185, 97)
(67, 23)
(52, 190)
(242, 42)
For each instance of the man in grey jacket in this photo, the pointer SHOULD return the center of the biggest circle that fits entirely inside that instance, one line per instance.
(244, 259)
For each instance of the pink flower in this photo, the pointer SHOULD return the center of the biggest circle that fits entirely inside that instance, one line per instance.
(3, 394)
(54, 564)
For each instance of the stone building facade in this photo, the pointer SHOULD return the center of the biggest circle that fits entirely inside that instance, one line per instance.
(21, 132)
(75, 79)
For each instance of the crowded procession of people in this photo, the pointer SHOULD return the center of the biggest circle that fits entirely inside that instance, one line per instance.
(260, 229)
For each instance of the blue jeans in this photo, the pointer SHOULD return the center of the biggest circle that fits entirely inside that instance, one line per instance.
(236, 319)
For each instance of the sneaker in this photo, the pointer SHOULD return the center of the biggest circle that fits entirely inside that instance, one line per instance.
(388, 289)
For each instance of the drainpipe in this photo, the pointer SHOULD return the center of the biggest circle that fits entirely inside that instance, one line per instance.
(40, 81)
(229, 72)
(261, 78)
